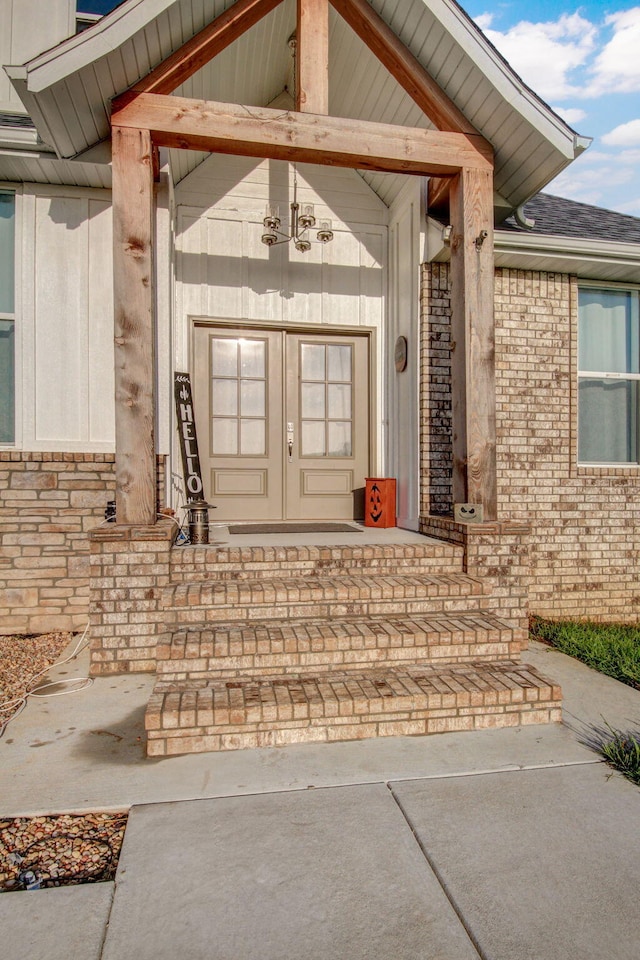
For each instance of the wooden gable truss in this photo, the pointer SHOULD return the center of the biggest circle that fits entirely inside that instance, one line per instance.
(458, 159)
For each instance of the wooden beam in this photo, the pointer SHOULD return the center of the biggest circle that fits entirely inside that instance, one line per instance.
(312, 57)
(403, 66)
(206, 44)
(134, 333)
(473, 341)
(332, 141)
(438, 194)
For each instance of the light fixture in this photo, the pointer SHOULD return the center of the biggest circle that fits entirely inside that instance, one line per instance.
(302, 221)
(302, 218)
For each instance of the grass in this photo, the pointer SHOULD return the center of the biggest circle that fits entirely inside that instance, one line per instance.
(611, 648)
(622, 752)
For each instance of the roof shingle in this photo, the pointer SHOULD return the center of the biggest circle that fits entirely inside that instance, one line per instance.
(558, 217)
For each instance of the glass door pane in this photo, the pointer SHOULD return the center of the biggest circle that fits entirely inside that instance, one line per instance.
(238, 396)
(326, 389)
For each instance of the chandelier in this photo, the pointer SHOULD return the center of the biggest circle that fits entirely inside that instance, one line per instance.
(302, 220)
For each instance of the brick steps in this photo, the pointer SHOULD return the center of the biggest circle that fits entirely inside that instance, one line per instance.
(250, 563)
(274, 645)
(322, 597)
(199, 716)
(290, 646)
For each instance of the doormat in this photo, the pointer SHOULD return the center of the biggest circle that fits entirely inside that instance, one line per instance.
(294, 528)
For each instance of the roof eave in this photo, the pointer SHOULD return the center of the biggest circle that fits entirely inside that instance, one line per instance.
(560, 248)
(86, 47)
(604, 250)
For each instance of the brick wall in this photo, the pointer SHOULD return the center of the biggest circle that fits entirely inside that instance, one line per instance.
(436, 458)
(585, 521)
(48, 504)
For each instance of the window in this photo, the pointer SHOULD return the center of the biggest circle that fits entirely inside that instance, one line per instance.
(608, 375)
(89, 12)
(7, 317)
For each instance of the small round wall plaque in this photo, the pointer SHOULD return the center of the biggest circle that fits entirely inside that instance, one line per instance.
(400, 354)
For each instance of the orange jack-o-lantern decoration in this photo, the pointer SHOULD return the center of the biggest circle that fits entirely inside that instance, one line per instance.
(380, 502)
(375, 504)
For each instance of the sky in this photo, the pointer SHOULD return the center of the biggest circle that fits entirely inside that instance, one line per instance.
(583, 59)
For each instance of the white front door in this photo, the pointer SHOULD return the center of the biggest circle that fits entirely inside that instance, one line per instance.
(283, 422)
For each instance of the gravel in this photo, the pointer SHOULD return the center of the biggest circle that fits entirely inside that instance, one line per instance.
(21, 660)
(55, 851)
(61, 849)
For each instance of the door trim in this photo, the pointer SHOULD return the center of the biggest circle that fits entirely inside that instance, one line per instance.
(195, 321)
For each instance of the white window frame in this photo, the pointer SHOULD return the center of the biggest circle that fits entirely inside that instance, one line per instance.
(604, 374)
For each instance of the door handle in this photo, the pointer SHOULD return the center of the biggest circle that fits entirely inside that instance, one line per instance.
(290, 440)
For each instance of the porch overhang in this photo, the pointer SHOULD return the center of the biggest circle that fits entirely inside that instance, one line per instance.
(142, 120)
(68, 90)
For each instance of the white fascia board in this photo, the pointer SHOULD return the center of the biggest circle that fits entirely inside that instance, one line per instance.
(20, 153)
(32, 107)
(79, 51)
(567, 248)
(514, 90)
(567, 253)
(16, 139)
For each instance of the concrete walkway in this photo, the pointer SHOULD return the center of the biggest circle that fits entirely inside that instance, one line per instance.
(512, 844)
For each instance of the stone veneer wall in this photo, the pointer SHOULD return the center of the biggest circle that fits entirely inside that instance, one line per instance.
(585, 521)
(48, 504)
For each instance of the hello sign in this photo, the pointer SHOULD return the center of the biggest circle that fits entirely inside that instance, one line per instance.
(188, 439)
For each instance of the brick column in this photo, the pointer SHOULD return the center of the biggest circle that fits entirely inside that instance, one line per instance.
(129, 570)
(496, 551)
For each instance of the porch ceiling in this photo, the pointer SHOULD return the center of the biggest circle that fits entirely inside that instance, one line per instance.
(68, 90)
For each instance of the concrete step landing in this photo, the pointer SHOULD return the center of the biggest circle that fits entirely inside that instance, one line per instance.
(194, 716)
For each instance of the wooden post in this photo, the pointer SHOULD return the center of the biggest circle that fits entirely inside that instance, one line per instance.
(473, 351)
(312, 57)
(134, 326)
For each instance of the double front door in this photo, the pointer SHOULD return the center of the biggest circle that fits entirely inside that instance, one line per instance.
(283, 422)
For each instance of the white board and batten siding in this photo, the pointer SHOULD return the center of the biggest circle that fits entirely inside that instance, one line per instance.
(27, 27)
(65, 319)
(225, 272)
(406, 229)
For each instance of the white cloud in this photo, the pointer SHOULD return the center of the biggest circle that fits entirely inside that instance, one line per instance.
(484, 21)
(626, 135)
(577, 59)
(600, 178)
(632, 157)
(545, 54)
(570, 114)
(617, 67)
